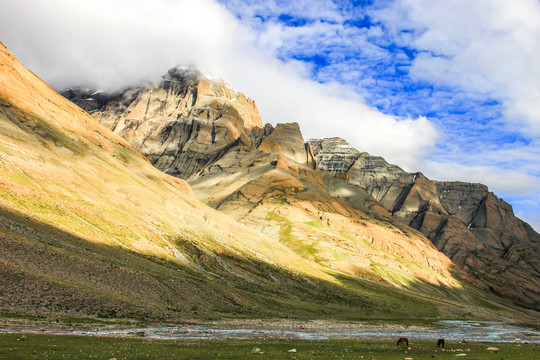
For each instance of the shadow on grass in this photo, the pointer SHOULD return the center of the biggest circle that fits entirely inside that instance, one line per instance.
(45, 271)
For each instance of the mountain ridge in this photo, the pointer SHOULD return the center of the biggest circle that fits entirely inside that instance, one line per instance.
(90, 229)
(378, 189)
(459, 218)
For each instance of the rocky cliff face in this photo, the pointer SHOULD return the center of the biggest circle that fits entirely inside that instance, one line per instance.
(477, 230)
(270, 179)
(89, 228)
(180, 124)
(187, 122)
(265, 177)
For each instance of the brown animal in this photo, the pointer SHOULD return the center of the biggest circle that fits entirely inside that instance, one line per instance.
(440, 343)
(403, 340)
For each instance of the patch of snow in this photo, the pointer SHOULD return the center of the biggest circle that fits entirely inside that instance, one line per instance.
(97, 92)
(231, 88)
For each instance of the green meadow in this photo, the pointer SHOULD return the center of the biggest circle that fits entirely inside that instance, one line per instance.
(42, 346)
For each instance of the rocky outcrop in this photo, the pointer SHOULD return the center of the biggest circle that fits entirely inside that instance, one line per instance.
(287, 140)
(89, 100)
(334, 155)
(267, 177)
(181, 124)
(204, 131)
(187, 122)
(477, 230)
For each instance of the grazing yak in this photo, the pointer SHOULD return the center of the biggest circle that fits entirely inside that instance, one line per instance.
(440, 343)
(403, 340)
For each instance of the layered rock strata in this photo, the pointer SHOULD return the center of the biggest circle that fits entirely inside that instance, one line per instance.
(180, 124)
(266, 177)
(477, 230)
(204, 131)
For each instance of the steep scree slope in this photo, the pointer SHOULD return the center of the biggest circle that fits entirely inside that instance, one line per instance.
(89, 228)
(269, 179)
(477, 230)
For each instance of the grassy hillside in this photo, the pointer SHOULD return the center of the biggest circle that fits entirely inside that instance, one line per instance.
(89, 228)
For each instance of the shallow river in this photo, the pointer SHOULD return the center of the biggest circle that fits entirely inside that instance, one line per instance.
(451, 330)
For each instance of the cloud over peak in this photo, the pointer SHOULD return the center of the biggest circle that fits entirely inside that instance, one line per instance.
(445, 87)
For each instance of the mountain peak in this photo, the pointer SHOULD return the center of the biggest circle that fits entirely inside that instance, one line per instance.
(204, 131)
(477, 230)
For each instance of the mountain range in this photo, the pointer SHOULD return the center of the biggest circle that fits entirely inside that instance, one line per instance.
(213, 122)
(173, 200)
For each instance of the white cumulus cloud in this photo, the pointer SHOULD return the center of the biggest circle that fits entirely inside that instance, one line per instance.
(485, 46)
(110, 44)
(476, 49)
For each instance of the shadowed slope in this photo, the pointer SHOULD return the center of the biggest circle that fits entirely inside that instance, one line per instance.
(465, 221)
(267, 178)
(90, 228)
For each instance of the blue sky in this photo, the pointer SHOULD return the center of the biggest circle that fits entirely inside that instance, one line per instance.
(360, 44)
(450, 88)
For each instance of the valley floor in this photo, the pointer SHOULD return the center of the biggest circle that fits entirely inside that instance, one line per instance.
(40, 346)
(454, 331)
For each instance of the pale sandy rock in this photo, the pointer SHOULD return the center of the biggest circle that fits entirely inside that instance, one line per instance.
(287, 141)
(183, 123)
(208, 91)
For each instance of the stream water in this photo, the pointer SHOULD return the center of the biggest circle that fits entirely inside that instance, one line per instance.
(451, 330)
